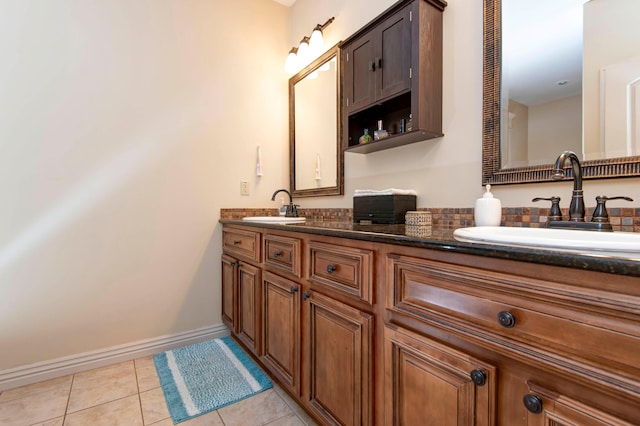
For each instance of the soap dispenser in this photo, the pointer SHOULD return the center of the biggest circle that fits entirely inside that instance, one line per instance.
(488, 211)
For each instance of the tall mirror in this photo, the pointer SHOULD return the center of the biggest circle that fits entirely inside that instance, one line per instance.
(560, 75)
(316, 156)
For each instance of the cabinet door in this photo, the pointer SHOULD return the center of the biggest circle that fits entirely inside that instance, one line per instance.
(548, 408)
(359, 73)
(429, 384)
(393, 58)
(229, 292)
(339, 361)
(248, 325)
(281, 329)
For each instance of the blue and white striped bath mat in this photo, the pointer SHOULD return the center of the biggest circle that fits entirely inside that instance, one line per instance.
(200, 378)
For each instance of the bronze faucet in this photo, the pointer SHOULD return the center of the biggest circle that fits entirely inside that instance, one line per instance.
(576, 208)
(600, 218)
(292, 209)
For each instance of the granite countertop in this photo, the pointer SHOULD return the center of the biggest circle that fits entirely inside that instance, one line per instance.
(441, 238)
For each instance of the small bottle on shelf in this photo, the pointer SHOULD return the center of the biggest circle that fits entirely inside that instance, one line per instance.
(380, 133)
(365, 138)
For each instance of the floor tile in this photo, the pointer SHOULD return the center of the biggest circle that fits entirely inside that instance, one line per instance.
(146, 374)
(101, 385)
(306, 419)
(154, 407)
(290, 420)
(55, 422)
(45, 386)
(258, 410)
(209, 419)
(34, 409)
(121, 412)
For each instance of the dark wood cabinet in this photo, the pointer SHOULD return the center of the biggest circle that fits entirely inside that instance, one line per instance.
(377, 64)
(393, 74)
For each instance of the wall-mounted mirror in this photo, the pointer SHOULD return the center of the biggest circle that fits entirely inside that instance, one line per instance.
(560, 76)
(316, 156)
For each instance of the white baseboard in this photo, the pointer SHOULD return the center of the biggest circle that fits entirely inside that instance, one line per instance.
(32, 373)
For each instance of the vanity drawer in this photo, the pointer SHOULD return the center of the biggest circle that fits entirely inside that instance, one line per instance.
(282, 254)
(344, 269)
(242, 243)
(521, 313)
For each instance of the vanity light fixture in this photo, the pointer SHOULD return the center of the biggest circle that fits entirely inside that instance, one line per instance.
(308, 49)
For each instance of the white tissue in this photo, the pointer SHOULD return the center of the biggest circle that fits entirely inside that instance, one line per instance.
(390, 191)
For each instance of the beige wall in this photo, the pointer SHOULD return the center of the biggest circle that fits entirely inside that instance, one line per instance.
(126, 126)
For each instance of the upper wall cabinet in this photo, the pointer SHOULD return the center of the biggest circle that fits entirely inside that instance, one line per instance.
(393, 78)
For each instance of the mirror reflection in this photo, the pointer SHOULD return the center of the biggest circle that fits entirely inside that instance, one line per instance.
(314, 109)
(561, 75)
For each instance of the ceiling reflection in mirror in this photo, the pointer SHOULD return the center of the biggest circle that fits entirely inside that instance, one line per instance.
(560, 75)
(314, 113)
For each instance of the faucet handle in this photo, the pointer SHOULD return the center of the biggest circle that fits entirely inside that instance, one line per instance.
(292, 210)
(555, 214)
(600, 213)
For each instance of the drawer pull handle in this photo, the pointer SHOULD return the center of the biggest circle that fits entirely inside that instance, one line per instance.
(533, 403)
(331, 269)
(306, 295)
(506, 319)
(277, 253)
(293, 290)
(479, 377)
(236, 242)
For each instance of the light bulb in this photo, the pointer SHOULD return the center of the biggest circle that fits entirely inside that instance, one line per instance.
(291, 64)
(316, 43)
(303, 52)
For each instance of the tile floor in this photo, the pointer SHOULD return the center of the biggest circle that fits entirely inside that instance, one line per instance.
(129, 394)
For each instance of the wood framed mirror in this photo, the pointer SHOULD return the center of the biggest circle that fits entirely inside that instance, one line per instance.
(316, 157)
(494, 170)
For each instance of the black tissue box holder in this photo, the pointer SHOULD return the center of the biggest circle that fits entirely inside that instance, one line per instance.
(382, 208)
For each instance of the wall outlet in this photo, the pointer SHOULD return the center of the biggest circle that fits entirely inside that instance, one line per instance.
(244, 187)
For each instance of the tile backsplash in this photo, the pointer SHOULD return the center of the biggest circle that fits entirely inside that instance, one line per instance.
(622, 219)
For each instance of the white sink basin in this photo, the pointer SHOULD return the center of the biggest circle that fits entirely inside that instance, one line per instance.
(280, 220)
(618, 244)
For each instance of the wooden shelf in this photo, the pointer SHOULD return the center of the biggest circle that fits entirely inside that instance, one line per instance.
(393, 141)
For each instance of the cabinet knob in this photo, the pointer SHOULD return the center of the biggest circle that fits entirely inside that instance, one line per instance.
(293, 290)
(372, 66)
(532, 403)
(236, 242)
(306, 295)
(506, 319)
(277, 253)
(331, 269)
(479, 377)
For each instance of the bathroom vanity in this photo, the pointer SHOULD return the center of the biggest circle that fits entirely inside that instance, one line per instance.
(363, 324)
